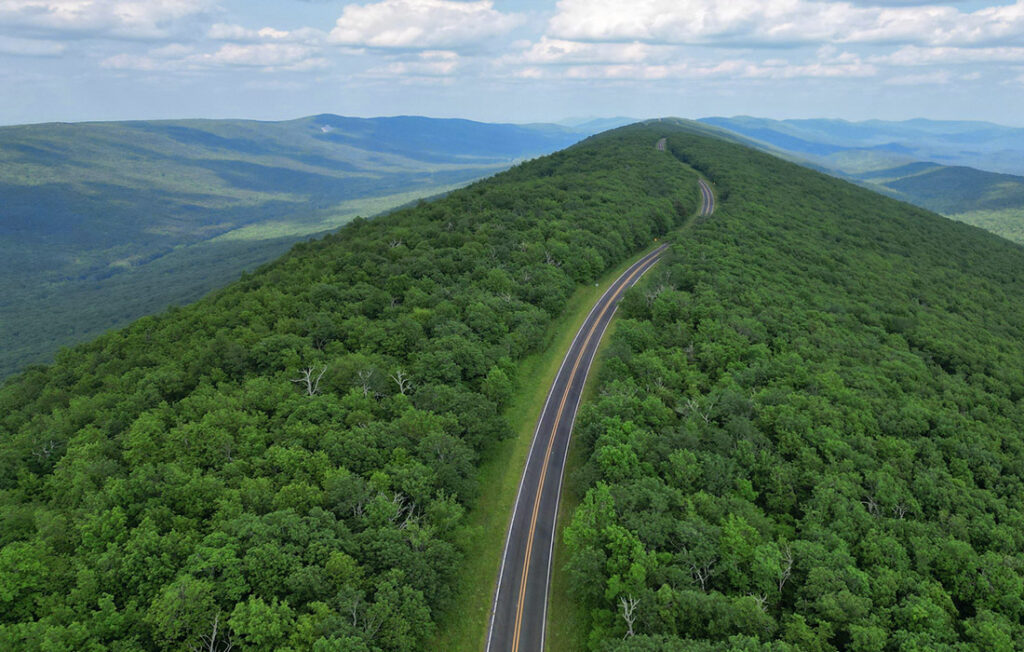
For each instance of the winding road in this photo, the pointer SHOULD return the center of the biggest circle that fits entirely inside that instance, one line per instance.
(520, 602)
(519, 611)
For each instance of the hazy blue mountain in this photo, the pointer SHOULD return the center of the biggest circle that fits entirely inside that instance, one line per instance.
(101, 223)
(876, 144)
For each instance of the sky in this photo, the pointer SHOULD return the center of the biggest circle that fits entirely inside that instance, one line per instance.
(510, 60)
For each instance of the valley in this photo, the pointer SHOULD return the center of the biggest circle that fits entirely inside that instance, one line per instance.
(106, 222)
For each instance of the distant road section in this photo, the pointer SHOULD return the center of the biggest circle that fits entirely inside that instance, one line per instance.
(707, 197)
(520, 601)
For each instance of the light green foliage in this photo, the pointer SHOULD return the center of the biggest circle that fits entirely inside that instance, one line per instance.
(1007, 222)
(180, 475)
(808, 428)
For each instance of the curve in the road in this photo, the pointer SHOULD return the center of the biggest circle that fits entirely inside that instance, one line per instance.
(520, 602)
(707, 198)
(519, 610)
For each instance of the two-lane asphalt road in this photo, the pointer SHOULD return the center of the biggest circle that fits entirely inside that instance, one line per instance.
(707, 198)
(520, 601)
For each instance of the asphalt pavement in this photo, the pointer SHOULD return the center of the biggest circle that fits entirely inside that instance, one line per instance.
(520, 602)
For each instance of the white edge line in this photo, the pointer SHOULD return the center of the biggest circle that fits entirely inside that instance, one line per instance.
(565, 456)
(525, 467)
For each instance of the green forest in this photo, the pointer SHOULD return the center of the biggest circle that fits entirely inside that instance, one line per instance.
(286, 464)
(806, 431)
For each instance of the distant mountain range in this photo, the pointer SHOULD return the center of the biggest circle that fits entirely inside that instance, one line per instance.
(101, 223)
(965, 170)
(877, 144)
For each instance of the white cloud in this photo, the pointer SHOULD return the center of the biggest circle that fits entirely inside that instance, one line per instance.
(421, 24)
(934, 77)
(430, 63)
(917, 56)
(730, 69)
(781, 22)
(142, 19)
(228, 32)
(26, 47)
(557, 51)
(259, 55)
(265, 56)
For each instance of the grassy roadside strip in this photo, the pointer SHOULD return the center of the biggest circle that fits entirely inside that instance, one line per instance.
(483, 536)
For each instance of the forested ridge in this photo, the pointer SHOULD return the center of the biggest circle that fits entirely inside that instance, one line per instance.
(808, 430)
(286, 464)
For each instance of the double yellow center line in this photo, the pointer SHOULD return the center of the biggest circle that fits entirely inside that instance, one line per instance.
(551, 441)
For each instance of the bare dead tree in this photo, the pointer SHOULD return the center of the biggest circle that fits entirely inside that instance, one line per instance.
(786, 569)
(354, 609)
(900, 510)
(403, 381)
(702, 573)
(629, 613)
(871, 504)
(704, 412)
(550, 260)
(365, 376)
(690, 353)
(395, 243)
(761, 599)
(214, 641)
(312, 384)
(45, 450)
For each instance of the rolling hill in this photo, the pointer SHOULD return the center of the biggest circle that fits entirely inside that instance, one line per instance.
(101, 223)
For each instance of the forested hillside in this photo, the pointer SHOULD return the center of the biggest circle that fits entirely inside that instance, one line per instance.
(102, 223)
(286, 463)
(807, 434)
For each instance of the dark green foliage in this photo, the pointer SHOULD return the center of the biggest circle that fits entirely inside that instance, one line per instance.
(807, 433)
(289, 459)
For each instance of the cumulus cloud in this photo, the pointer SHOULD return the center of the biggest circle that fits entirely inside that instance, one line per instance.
(557, 51)
(421, 24)
(781, 22)
(137, 19)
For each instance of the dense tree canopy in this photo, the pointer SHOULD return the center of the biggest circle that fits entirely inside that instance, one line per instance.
(808, 430)
(286, 463)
